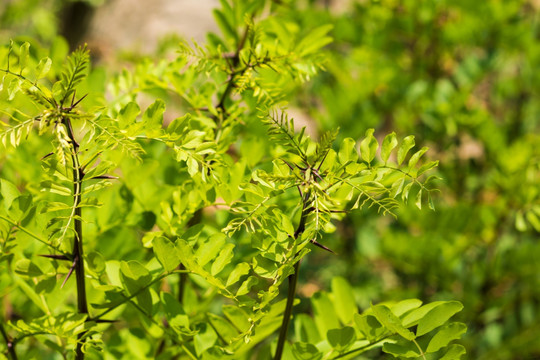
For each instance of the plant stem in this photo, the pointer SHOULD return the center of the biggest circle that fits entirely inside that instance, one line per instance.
(31, 234)
(82, 307)
(234, 75)
(9, 343)
(293, 279)
(183, 276)
(350, 352)
(420, 349)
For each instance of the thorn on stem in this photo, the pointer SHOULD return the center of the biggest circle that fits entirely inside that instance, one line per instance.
(104, 321)
(55, 257)
(109, 177)
(314, 242)
(70, 271)
(288, 164)
(73, 98)
(46, 156)
(78, 101)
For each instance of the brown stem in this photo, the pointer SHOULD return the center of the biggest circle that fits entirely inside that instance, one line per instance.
(183, 276)
(182, 284)
(234, 74)
(10, 344)
(293, 280)
(77, 254)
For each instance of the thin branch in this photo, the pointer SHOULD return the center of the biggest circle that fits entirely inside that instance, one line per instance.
(293, 280)
(128, 298)
(49, 100)
(420, 349)
(235, 61)
(31, 234)
(10, 344)
(77, 253)
(361, 348)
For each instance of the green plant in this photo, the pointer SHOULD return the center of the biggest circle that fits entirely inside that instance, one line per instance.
(465, 85)
(191, 225)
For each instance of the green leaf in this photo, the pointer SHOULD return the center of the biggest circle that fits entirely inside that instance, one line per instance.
(223, 259)
(389, 143)
(239, 271)
(217, 352)
(153, 118)
(225, 26)
(2, 82)
(454, 352)
(205, 338)
(418, 201)
(238, 317)
(533, 220)
(401, 349)
(341, 339)
(315, 40)
(176, 316)
(520, 223)
(24, 55)
(55, 188)
(9, 192)
(286, 224)
(431, 205)
(416, 156)
(324, 313)
(305, 329)
(415, 315)
(95, 262)
(134, 275)
(305, 351)
(369, 146)
(166, 253)
(223, 328)
(405, 306)
(347, 151)
(406, 191)
(46, 285)
(397, 187)
(247, 285)
(73, 72)
(32, 295)
(391, 321)
(192, 166)
(438, 316)
(426, 167)
(27, 268)
(185, 252)
(369, 326)
(43, 67)
(13, 87)
(445, 335)
(406, 145)
(210, 248)
(128, 114)
(343, 298)
(147, 220)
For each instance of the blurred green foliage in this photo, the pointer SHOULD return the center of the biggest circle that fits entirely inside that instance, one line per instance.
(460, 75)
(463, 76)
